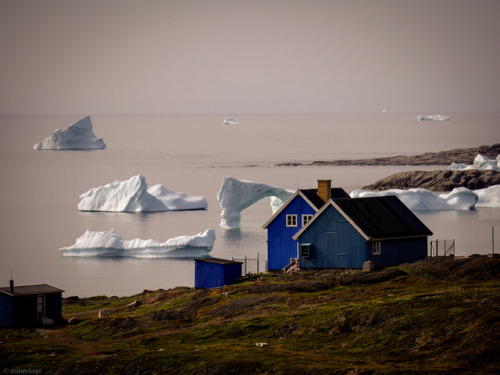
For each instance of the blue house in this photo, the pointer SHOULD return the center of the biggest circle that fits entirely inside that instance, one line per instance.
(296, 212)
(27, 305)
(345, 233)
(215, 272)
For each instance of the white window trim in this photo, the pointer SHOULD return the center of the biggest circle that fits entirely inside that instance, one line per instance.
(290, 220)
(306, 219)
(377, 247)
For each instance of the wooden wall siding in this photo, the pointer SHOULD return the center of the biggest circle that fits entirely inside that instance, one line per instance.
(336, 244)
(280, 244)
(212, 275)
(394, 252)
(6, 310)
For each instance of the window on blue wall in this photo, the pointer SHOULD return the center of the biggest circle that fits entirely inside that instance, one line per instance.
(305, 250)
(376, 247)
(291, 220)
(306, 219)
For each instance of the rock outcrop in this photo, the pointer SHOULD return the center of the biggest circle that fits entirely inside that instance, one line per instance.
(439, 180)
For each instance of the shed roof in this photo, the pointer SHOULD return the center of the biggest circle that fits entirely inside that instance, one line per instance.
(378, 217)
(25, 290)
(218, 261)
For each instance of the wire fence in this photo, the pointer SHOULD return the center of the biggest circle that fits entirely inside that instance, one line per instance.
(252, 265)
(442, 248)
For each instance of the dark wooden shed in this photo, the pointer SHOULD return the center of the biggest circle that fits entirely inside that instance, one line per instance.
(27, 305)
(215, 272)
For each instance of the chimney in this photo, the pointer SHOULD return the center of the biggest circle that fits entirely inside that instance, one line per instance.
(11, 286)
(325, 189)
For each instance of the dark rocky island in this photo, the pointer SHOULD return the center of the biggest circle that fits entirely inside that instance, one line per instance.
(459, 155)
(438, 180)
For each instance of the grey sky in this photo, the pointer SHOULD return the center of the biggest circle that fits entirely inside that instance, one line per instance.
(252, 56)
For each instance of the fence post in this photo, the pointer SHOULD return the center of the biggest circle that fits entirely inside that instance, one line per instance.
(245, 265)
(258, 262)
(493, 240)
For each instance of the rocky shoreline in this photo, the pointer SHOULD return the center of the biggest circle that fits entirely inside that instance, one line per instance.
(437, 180)
(459, 155)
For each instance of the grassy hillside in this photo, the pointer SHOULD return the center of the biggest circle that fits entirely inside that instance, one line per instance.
(437, 316)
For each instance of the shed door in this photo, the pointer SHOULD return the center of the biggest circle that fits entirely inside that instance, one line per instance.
(40, 307)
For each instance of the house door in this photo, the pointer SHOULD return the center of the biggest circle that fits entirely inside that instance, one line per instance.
(40, 307)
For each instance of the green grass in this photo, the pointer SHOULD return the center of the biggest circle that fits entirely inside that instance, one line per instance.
(425, 320)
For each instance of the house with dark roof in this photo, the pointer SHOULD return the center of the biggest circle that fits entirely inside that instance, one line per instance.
(296, 212)
(345, 233)
(30, 305)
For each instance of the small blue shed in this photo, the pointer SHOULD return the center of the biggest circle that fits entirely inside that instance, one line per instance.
(345, 233)
(28, 305)
(215, 272)
(291, 217)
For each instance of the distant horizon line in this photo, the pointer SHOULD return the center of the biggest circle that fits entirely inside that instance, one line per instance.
(227, 114)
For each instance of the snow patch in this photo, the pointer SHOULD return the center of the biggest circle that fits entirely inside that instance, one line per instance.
(78, 136)
(133, 195)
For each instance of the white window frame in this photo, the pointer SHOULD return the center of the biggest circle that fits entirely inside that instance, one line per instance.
(306, 219)
(291, 220)
(377, 247)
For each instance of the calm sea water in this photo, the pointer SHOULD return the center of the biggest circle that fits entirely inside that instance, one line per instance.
(39, 190)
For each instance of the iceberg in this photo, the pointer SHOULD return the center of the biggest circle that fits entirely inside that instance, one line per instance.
(489, 197)
(78, 136)
(111, 244)
(418, 199)
(433, 118)
(480, 162)
(133, 195)
(236, 195)
(231, 121)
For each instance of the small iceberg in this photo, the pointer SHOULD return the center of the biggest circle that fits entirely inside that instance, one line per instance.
(231, 121)
(111, 244)
(78, 136)
(134, 195)
(481, 162)
(433, 118)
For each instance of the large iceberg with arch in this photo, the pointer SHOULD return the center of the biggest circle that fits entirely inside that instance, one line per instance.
(78, 136)
(111, 244)
(134, 195)
(236, 195)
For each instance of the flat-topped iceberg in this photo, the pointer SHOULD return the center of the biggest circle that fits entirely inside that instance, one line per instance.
(418, 199)
(433, 118)
(480, 162)
(236, 195)
(133, 195)
(78, 136)
(231, 121)
(111, 244)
